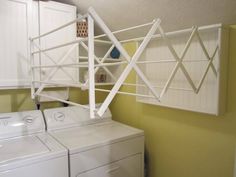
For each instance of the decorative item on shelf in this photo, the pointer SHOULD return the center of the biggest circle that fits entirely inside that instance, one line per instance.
(100, 76)
(82, 28)
(115, 53)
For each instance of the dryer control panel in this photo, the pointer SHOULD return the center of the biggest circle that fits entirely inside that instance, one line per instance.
(21, 123)
(72, 116)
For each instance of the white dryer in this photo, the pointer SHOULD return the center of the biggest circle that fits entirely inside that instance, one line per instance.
(97, 147)
(26, 150)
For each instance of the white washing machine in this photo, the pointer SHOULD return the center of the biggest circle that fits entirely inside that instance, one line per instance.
(97, 148)
(26, 150)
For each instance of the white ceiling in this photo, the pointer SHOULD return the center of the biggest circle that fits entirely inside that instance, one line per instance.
(175, 14)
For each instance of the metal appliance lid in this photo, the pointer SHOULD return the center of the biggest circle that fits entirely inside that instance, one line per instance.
(87, 137)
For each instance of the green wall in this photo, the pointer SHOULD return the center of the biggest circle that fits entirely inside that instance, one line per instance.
(20, 100)
(178, 143)
(15, 100)
(181, 143)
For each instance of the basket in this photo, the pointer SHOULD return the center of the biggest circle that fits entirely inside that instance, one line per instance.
(82, 29)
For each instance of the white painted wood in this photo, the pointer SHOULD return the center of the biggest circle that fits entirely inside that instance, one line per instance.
(54, 71)
(126, 93)
(45, 45)
(91, 73)
(18, 23)
(58, 46)
(207, 74)
(209, 27)
(60, 27)
(55, 98)
(132, 60)
(52, 15)
(185, 62)
(179, 62)
(32, 69)
(125, 29)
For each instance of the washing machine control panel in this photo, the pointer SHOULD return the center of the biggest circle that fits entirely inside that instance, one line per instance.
(13, 121)
(58, 118)
(21, 123)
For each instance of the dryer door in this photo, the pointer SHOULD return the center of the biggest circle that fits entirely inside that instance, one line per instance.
(128, 167)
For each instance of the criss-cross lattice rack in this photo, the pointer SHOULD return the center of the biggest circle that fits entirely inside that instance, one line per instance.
(94, 62)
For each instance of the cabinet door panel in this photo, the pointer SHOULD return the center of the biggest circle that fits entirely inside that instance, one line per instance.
(15, 22)
(53, 15)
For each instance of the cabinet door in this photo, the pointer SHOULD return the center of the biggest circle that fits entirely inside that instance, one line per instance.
(53, 15)
(128, 167)
(15, 21)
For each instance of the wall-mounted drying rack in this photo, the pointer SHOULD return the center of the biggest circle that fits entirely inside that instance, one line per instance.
(145, 79)
(190, 71)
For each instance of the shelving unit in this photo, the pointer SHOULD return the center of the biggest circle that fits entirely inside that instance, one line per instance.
(100, 51)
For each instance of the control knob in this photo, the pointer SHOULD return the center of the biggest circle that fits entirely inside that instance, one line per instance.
(28, 119)
(59, 116)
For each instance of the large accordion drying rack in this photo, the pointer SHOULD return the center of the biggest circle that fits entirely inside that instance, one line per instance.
(152, 93)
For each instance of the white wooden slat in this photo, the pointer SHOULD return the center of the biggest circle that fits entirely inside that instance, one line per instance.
(91, 73)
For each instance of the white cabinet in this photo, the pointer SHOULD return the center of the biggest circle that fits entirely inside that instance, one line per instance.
(16, 28)
(53, 15)
(19, 20)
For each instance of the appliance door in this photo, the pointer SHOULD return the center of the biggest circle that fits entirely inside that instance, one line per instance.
(128, 167)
